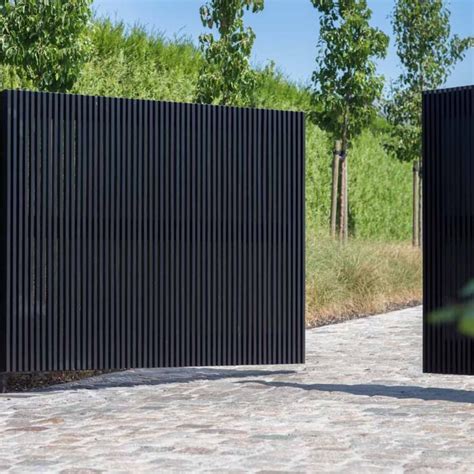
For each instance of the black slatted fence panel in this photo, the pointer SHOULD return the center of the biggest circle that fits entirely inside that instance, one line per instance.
(149, 234)
(448, 198)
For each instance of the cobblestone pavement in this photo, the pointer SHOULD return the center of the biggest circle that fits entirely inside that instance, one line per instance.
(361, 404)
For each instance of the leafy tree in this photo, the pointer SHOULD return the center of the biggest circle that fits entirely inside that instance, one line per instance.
(46, 41)
(345, 83)
(226, 76)
(427, 52)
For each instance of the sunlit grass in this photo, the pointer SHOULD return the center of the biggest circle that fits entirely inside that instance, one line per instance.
(361, 277)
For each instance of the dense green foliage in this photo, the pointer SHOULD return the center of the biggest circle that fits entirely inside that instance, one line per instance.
(379, 187)
(226, 77)
(346, 85)
(427, 52)
(46, 41)
(133, 63)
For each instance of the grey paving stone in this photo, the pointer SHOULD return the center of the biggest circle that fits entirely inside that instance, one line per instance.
(360, 404)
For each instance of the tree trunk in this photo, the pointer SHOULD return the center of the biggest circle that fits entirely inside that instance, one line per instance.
(343, 202)
(420, 204)
(335, 187)
(416, 206)
(344, 193)
(346, 199)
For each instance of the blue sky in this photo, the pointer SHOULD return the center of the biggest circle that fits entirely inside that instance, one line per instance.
(286, 30)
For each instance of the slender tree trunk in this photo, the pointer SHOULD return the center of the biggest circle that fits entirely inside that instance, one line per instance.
(346, 199)
(416, 206)
(420, 205)
(419, 171)
(343, 202)
(344, 228)
(335, 187)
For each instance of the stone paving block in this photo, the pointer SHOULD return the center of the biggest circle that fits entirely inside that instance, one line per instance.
(360, 404)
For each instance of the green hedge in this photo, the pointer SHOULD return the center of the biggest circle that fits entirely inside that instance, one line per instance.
(133, 63)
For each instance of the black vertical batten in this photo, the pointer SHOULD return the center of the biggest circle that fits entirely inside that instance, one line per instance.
(149, 234)
(448, 224)
(5, 224)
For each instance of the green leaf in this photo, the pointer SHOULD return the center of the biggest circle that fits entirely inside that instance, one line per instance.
(345, 85)
(466, 324)
(226, 76)
(444, 315)
(468, 290)
(427, 53)
(46, 40)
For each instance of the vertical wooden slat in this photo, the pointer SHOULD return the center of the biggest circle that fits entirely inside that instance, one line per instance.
(107, 242)
(89, 219)
(144, 234)
(78, 283)
(166, 231)
(146, 290)
(67, 196)
(160, 221)
(6, 256)
(138, 200)
(447, 231)
(112, 234)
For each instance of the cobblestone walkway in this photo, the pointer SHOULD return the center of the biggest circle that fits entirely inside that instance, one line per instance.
(361, 404)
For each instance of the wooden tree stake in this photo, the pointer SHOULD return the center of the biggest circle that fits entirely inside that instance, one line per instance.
(416, 219)
(335, 187)
(343, 205)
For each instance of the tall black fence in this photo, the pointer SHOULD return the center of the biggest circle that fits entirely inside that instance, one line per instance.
(137, 233)
(448, 203)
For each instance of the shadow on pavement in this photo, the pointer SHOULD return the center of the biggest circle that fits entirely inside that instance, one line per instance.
(138, 377)
(378, 390)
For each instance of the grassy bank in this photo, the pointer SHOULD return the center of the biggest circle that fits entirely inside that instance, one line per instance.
(367, 275)
(362, 277)
(133, 63)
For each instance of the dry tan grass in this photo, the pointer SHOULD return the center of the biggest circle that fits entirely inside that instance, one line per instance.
(359, 278)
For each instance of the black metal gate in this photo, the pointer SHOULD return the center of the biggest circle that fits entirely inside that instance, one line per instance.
(149, 234)
(448, 231)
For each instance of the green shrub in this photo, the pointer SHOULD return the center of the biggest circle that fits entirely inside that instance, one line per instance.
(137, 64)
(379, 191)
